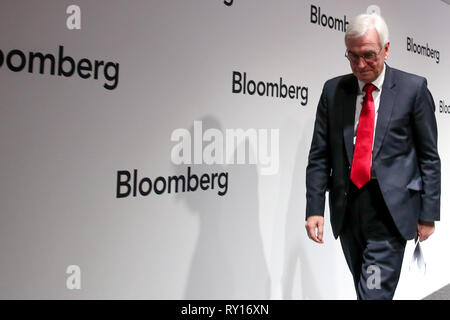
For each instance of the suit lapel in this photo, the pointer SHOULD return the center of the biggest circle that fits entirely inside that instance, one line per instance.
(349, 105)
(385, 110)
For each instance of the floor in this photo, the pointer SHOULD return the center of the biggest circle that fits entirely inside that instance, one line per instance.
(441, 294)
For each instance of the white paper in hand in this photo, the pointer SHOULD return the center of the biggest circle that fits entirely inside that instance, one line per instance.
(418, 261)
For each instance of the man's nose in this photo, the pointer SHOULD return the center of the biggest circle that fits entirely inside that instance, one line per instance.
(361, 63)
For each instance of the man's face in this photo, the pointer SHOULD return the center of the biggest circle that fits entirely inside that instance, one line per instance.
(368, 45)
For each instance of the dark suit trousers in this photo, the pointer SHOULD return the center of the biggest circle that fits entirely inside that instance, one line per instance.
(372, 245)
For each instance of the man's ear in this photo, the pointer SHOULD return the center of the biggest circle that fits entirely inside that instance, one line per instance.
(387, 47)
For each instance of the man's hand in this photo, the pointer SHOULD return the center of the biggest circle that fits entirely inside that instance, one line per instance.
(314, 228)
(425, 229)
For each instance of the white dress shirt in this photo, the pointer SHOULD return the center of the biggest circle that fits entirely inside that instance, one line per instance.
(376, 94)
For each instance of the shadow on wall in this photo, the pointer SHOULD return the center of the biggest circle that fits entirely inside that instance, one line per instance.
(228, 261)
(308, 271)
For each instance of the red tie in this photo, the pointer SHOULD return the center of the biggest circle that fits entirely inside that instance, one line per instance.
(362, 157)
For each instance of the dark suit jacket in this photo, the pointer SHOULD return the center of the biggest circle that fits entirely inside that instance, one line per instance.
(405, 157)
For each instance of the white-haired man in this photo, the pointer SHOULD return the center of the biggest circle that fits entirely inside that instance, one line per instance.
(374, 148)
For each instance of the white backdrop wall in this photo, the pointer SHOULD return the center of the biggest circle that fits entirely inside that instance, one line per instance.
(168, 65)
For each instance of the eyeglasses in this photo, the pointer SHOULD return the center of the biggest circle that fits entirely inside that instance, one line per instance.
(368, 57)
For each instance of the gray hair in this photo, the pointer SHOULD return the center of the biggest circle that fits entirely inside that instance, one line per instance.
(363, 22)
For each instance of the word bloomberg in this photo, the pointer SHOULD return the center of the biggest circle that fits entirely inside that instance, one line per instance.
(126, 185)
(16, 61)
(323, 20)
(443, 108)
(421, 49)
(272, 89)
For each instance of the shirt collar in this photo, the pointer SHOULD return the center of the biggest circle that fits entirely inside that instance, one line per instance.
(378, 82)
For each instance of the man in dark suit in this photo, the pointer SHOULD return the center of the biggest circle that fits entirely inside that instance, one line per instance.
(374, 148)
